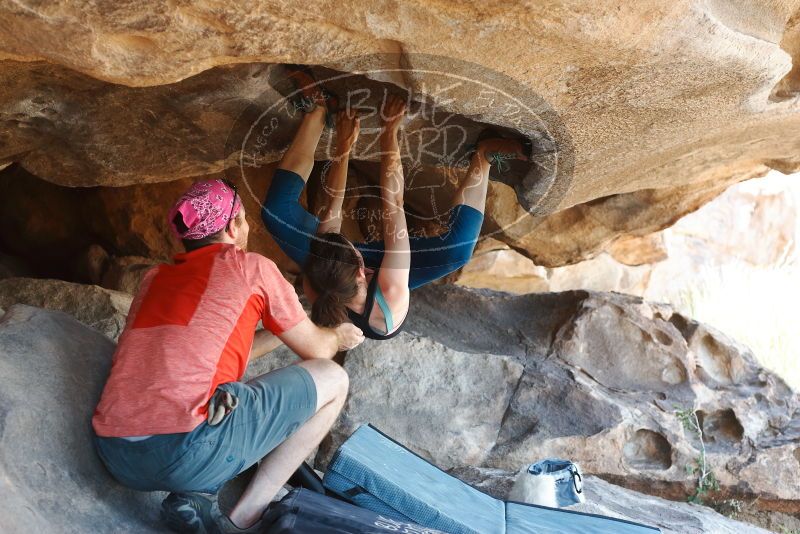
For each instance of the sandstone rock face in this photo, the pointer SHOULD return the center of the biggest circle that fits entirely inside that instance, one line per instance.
(594, 377)
(53, 371)
(125, 273)
(91, 265)
(657, 124)
(102, 309)
(603, 377)
(754, 224)
(43, 354)
(11, 266)
(615, 501)
(704, 67)
(463, 395)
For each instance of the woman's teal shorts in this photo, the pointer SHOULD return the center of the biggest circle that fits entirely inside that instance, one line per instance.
(293, 228)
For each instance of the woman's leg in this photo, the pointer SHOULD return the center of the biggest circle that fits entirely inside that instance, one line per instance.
(289, 223)
(435, 257)
(299, 157)
(472, 190)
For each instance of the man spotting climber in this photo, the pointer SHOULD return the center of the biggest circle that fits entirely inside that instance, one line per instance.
(174, 415)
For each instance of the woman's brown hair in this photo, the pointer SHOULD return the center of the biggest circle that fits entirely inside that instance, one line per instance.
(332, 271)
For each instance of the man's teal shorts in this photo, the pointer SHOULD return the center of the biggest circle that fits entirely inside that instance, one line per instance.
(271, 407)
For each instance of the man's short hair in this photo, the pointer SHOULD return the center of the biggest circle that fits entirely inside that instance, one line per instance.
(194, 244)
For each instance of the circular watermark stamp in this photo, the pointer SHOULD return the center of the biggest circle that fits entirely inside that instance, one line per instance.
(452, 106)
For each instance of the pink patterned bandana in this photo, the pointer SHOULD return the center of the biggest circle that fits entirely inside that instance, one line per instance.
(205, 209)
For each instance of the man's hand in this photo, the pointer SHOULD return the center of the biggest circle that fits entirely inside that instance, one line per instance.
(349, 336)
(309, 341)
(348, 126)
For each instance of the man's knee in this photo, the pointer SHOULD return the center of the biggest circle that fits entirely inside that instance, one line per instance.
(338, 377)
(330, 379)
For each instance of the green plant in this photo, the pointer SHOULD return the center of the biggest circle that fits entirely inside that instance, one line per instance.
(706, 480)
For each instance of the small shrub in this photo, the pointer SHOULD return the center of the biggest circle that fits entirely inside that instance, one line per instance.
(706, 480)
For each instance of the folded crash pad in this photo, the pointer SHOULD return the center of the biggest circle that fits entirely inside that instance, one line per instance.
(304, 511)
(375, 472)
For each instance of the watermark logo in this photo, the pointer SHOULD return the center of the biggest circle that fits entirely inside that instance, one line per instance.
(451, 105)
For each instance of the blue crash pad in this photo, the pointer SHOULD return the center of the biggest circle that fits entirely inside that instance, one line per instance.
(375, 472)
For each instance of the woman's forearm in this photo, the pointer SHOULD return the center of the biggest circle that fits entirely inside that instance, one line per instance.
(335, 187)
(347, 128)
(392, 180)
(395, 231)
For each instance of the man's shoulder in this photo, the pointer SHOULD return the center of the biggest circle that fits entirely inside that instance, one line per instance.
(261, 268)
(254, 258)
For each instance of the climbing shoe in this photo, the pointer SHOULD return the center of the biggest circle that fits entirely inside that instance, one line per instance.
(499, 150)
(199, 513)
(312, 94)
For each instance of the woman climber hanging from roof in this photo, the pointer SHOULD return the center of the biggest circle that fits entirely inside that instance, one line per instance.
(369, 283)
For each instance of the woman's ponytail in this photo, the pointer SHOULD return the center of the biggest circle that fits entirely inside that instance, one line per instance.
(327, 310)
(332, 271)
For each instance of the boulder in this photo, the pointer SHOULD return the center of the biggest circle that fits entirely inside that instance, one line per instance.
(752, 225)
(642, 129)
(101, 309)
(604, 378)
(615, 501)
(503, 269)
(11, 266)
(54, 369)
(422, 385)
(594, 377)
(633, 251)
(584, 230)
(509, 271)
(90, 266)
(126, 272)
(717, 67)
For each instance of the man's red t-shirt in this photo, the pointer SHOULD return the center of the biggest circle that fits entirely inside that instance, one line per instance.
(189, 329)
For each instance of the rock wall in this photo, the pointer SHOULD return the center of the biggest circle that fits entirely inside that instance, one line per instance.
(101, 309)
(594, 377)
(651, 107)
(53, 371)
(54, 482)
(744, 239)
(753, 224)
(640, 112)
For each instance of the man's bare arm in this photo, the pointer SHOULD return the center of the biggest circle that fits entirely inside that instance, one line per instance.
(310, 341)
(264, 342)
